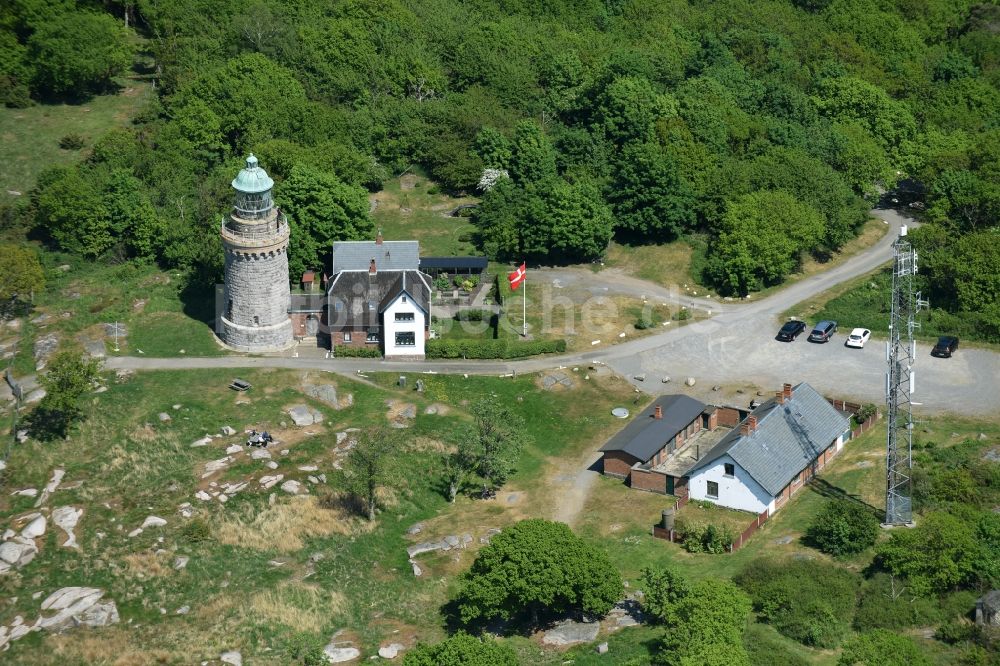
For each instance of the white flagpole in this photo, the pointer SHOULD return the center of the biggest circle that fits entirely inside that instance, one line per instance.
(524, 304)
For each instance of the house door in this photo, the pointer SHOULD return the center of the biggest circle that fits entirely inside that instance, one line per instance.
(312, 326)
(670, 485)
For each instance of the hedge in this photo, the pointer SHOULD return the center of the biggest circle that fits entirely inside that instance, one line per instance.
(486, 349)
(344, 351)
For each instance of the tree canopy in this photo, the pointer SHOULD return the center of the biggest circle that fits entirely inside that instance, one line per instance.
(534, 569)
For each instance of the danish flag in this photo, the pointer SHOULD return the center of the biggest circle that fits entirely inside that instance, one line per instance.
(517, 277)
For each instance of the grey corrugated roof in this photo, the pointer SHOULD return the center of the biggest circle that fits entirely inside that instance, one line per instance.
(453, 263)
(356, 297)
(646, 435)
(389, 256)
(788, 438)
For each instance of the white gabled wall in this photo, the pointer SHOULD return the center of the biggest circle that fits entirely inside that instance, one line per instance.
(739, 491)
(391, 327)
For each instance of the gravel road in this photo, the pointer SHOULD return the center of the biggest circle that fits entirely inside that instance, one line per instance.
(736, 346)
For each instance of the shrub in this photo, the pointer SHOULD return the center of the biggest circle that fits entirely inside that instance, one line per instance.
(702, 538)
(882, 648)
(346, 351)
(442, 282)
(461, 650)
(888, 604)
(72, 142)
(843, 527)
(959, 631)
(809, 601)
(683, 315)
(938, 555)
(491, 348)
(866, 412)
(196, 530)
(707, 625)
(473, 315)
(663, 589)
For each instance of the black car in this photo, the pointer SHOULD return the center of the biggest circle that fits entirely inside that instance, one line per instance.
(946, 346)
(791, 330)
(823, 331)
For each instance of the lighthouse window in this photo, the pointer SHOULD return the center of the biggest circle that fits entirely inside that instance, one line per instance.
(256, 320)
(229, 310)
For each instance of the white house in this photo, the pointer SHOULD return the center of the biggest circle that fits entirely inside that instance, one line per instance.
(774, 451)
(377, 297)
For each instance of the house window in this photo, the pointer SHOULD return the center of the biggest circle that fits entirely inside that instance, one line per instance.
(713, 490)
(730, 469)
(372, 336)
(406, 339)
(404, 299)
(347, 336)
(404, 316)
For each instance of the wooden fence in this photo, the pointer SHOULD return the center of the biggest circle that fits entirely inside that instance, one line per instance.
(676, 537)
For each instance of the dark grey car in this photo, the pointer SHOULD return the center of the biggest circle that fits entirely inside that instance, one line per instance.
(823, 331)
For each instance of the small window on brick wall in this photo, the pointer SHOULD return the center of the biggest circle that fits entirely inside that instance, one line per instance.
(713, 490)
(347, 336)
(730, 469)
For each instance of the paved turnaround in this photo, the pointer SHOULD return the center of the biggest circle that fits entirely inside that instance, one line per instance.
(735, 345)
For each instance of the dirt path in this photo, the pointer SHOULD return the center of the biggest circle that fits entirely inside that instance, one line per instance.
(572, 491)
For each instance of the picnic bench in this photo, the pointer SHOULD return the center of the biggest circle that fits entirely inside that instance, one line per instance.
(240, 385)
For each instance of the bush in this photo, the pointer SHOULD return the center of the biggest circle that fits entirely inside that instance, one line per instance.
(442, 282)
(683, 315)
(959, 631)
(196, 530)
(882, 648)
(461, 650)
(808, 601)
(473, 315)
(888, 604)
(702, 538)
(72, 142)
(492, 348)
(345, 351)
(866, 412)
(938, 555)
(843, 527)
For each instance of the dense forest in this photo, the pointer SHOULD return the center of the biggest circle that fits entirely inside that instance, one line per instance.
(770, 127)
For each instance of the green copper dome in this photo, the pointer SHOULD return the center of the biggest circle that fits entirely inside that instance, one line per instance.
(252, 179)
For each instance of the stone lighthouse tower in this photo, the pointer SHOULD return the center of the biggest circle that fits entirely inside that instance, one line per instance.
(256, 296)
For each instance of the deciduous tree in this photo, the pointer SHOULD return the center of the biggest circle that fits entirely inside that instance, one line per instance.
(535, 569)
(20, 273)
(69, 376)
(369, 466)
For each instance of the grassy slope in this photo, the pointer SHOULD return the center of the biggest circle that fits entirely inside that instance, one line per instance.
(238, 598)
(29, 138)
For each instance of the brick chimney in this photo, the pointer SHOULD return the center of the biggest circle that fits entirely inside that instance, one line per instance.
(658, 412)
(780, 397)
(378, 237)
(371, 267)
(787, 390)
(749, 426)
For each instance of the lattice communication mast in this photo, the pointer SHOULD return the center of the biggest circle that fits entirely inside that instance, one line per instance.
(900, 355)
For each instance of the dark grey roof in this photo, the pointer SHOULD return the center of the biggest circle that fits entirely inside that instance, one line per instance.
(308, 302)
(357, 298)
(788, 438)
(646, 435)
(453, 263)
(389, 256)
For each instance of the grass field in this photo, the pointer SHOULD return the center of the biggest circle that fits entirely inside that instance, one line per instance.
(30, 137)
(667, 264)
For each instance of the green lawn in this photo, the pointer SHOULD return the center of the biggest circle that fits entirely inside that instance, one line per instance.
(29, 138)
(161, 314)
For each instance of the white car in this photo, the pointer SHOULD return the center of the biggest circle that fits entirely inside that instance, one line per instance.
(858, 337)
